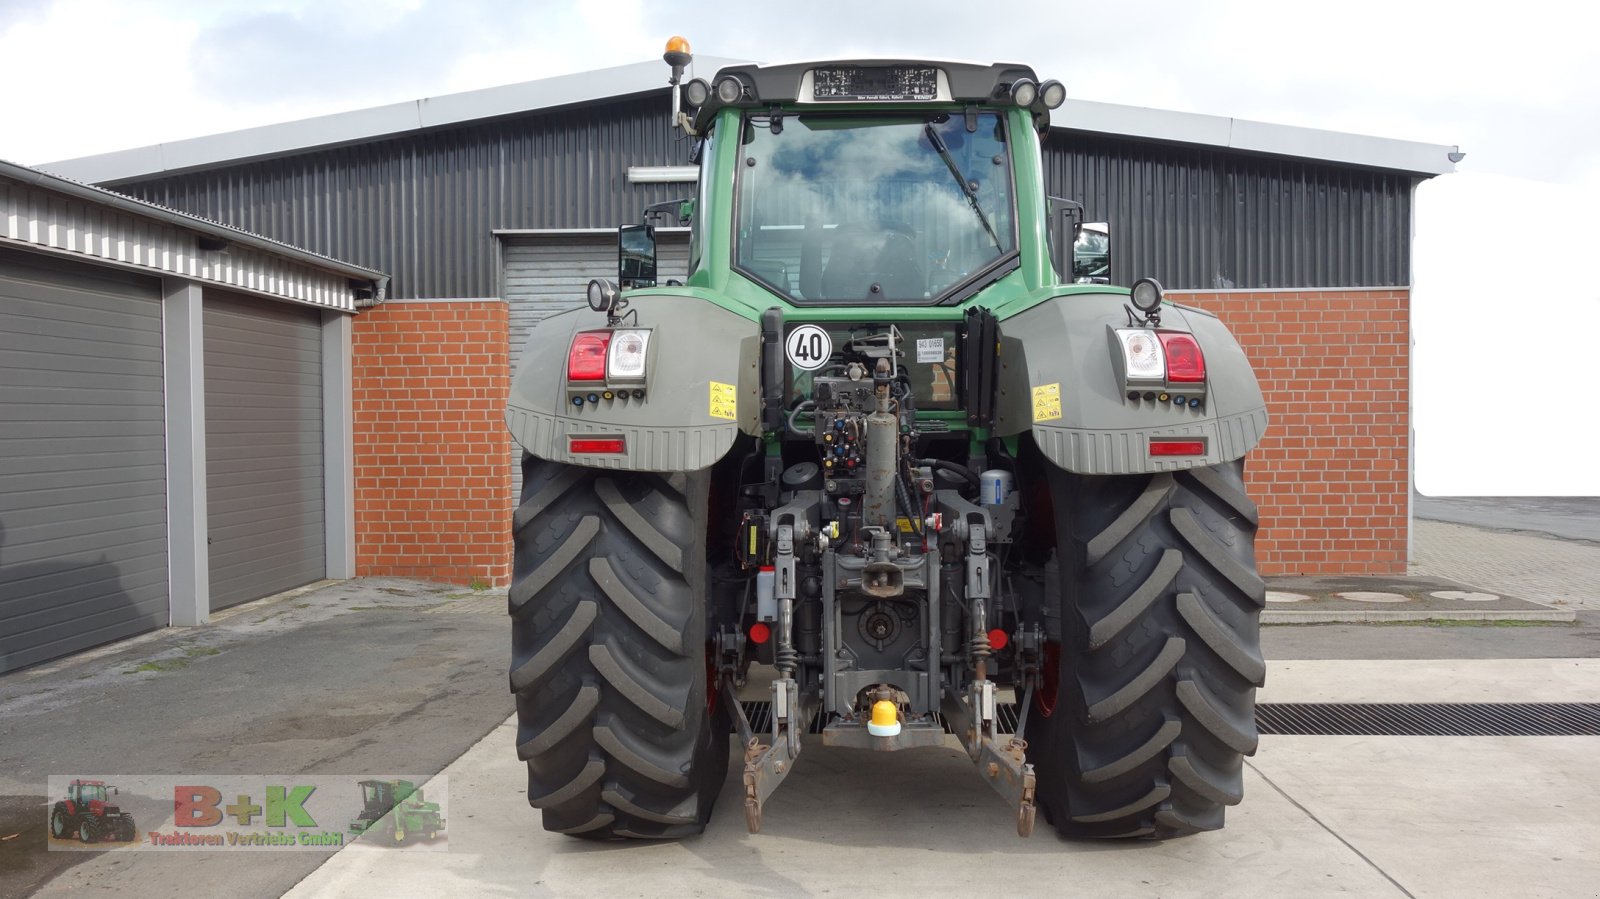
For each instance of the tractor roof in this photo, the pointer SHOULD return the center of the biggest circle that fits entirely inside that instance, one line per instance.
(88, 783)
(791, 82)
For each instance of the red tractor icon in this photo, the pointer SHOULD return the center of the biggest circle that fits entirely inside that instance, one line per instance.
(87, 814)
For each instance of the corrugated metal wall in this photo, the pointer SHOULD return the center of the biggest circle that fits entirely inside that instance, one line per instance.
(422, 206)
(1198, 218)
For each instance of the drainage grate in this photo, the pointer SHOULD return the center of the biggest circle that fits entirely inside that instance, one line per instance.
(1334, 719)
(1466, 719)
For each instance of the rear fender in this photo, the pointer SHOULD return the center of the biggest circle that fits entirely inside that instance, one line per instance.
(1062, 347)
(697, 352)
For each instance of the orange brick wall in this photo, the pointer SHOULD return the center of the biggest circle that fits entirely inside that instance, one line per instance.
(1331, 475)
(432, 483)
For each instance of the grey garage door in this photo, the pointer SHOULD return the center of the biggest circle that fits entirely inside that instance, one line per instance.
(546, 274)
(83, 527)
(264, 448)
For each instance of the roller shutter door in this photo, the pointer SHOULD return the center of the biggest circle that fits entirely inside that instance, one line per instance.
(83, 527)
(264, 448)
(547, 274)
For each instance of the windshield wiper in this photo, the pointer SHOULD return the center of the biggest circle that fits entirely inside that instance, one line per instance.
(966, 186)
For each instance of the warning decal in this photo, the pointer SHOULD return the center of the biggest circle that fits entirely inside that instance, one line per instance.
(1047, 402)
(724, 401)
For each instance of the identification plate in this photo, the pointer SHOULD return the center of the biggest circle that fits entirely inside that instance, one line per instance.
(930, 349)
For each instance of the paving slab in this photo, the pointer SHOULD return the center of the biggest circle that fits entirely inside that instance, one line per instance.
(1417, 597)
(1564, 574)
(847, 822)
(1432, 680)
(1367, 816)
(1453, 816)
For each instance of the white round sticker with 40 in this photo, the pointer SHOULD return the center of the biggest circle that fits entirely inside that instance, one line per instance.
(809, 347)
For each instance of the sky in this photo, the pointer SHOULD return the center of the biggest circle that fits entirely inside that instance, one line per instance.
(1516, 86)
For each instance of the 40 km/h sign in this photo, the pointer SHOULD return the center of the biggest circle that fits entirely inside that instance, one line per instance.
(809, 347)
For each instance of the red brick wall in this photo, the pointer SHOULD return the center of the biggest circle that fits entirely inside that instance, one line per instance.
(432, 483)
(1331, 475)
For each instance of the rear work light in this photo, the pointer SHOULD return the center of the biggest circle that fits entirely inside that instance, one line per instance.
(612, 445)
(1177, 447)
(625, 362)
(1142, 355)
(586, 360)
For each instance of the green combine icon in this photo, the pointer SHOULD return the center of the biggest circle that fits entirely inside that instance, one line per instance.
(402, 802)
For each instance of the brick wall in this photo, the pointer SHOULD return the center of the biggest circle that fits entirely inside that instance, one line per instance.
(1331, 475)
(432, 485)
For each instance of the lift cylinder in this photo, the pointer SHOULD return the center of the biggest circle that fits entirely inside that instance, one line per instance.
(882, 438)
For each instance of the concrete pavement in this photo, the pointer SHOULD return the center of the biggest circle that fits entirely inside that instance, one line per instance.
(363, 676)
(398, 676)
(1567, 517)
(1368, 816)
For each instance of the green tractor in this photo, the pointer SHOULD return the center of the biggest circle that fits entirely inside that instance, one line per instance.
(402, 802)
(880, 448)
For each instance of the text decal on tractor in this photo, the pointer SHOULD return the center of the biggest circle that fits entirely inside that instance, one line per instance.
(895, 439)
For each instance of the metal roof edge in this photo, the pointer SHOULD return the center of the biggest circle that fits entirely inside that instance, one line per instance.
(1253, 136)
(611, 83)
(93, 194)
(371, 123)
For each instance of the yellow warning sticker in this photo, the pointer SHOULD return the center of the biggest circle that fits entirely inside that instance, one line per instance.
(904, 523)
(1047, 402)
(724, 401)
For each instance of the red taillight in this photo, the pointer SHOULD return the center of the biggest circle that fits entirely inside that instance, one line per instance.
(1177, 448)
(586, 361)
(760, 633)
(998, 639)
(594, 445)
(1185, 363)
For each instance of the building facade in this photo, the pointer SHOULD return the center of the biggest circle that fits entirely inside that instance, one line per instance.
(489, 209)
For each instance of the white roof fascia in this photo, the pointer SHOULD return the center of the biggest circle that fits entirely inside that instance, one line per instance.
(608, 84)
(1257, 137)
(372, 123)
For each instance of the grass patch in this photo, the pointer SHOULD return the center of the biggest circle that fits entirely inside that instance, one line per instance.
(160, 665)
(190, 653)
(478, 584)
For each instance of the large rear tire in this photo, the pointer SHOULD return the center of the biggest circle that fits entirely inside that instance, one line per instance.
(608, 601)
(1154, 701)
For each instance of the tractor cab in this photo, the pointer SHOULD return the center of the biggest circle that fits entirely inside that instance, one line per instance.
(87, 792)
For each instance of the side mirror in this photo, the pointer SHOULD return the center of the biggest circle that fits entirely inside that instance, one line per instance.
(1064, 218)
(1091, 253)
(636, 256)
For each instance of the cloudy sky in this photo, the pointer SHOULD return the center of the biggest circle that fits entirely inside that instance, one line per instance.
(1516, 85)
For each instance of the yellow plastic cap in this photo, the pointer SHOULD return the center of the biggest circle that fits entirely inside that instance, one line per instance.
(884, 713)
(678, 44)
